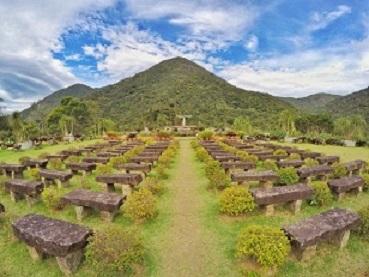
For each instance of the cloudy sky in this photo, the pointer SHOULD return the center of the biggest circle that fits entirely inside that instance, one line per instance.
(284, 47)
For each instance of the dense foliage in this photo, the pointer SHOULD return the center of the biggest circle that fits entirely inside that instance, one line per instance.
(236, 200)
(140, 205)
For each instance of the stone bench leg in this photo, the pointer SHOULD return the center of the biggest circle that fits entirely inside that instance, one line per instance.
(82, 212)
(342, 239)
(70, 263)
(295, 206)
(268, 209)
(109, 188)
(108, 216)
(126, 190)
(306, 253)
(359, 189)
(12, 174)
(341, 195)
(266, 184)
(36, 254)
(15, 196)
(31, 200)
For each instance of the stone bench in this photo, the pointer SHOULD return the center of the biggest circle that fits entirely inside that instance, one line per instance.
(228, 166)
(346, 184)
(307, 173)
(117, 151)
(50, 237)
(144, 159)
(20, 189)
(272, 157)
(70, 152)
(61, 178)
(150, 154)
(355, 167)
(226, 158)
(311, 155)
(127, 181)
(293, 194)
(135, 167)
(333, 226)
(61, 157)
(329, 160)
(84, 200)
(265, 178)
(96, 160)
(107, 154)
(36, 163)
(85, 168)
(12, 170)
(290, 163)
(2, 209)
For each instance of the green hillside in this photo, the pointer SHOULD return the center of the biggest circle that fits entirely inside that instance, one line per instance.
(312, 103)
(40, 109)
(355, 103)
(178, 86)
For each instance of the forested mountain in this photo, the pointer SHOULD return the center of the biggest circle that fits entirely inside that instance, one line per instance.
(40, 109)
(312, 103)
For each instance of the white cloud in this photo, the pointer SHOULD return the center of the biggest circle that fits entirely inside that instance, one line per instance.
(320, 21)
(341, 70)
(30, 31)
(252, 43)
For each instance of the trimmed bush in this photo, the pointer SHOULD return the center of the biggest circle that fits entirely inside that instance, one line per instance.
(104, 169)
(270, 165)
(205, 135)
(268, 245)
(236, 200)
(210, 167)
(294, 156)
(3, 180)
(363, 230)
(140, 205)
(339, 170)
(309, 162)
(73, 159)
(32, 174)
(366, 181)
(288, 176)
(202, 155)
(114, 251)
(23, 160)
(161, 171)
(154, 185)
(43, 155)
(280, 152)
(51, 196)
(55, 164)
(219, 180)
(244, 156)
(117, 162)
(322, 194)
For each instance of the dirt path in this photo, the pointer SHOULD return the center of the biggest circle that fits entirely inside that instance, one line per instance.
(189, 248)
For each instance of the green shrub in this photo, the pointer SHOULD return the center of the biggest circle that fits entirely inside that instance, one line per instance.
(202, 155)
(210, 167)
(288, 176)
(55, 164)
(117, 162)
(165, 160)
(3, 180)
(23, 160)
(270, 165)
(322, 194)
(236, 200)
(51, 196)
(268, 245)
(161, 171)
(244, 156)
(114, 251)
(339, 170)
(294, 156)
(73, 159)
(219, 180)
(309, 162)
(32, 174)
(104, 169)
(154, 185)
(363, 230)
(205, 135)
(280, 152)
(366, 181)
(140, 205)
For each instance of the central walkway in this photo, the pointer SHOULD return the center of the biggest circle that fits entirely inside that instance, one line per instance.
(190, 249)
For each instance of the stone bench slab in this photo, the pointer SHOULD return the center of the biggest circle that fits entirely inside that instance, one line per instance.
(129, 179)
(346, 184)
(319, 170)
(48, 174)
(267, 175)
(24, 187)
(97, 160)
(290, 163)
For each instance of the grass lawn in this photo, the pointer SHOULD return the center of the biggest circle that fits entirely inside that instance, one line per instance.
(14, 258)
(346, 153)
(10, 156)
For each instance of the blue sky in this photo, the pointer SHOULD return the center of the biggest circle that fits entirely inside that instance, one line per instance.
(286, 48)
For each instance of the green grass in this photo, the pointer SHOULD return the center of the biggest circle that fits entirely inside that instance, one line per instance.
(346, 153)
(329, 261)
(14, 257)
(11, 156)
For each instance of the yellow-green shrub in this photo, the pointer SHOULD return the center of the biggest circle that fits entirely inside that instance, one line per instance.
(140, 205)
(104, 169)
(55, 164)
(288, 176)
(154, 185)
(322, 194)
(268, 245)
(294, 156)
(363, 230)
(32, 174)
(114, 251)
(270, 165)
(51, 196)
(219, 180)
(23, 160)
(236, 200)
(339, 170)
(280, 152)
(73, 159)
(309, 162)
(366, 180)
